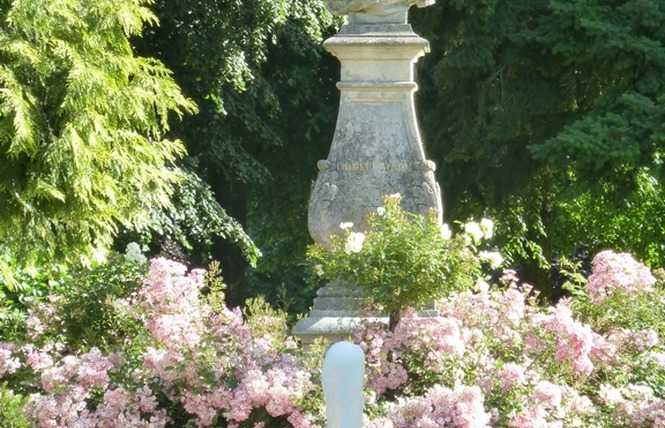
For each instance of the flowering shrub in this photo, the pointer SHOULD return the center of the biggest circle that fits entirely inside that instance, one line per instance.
(189, 362)
(491, 358)
(617, 273)
(11, 408)
(403, 259)
(497, 359)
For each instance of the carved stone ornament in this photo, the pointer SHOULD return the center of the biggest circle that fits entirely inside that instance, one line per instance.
(375, 11)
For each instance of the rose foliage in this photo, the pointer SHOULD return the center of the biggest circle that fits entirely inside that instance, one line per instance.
(492, 358)
(403, 259)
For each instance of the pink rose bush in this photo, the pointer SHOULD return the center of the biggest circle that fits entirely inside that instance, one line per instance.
(617, 272)
(489, 358)
(501, 360)
(194, 363)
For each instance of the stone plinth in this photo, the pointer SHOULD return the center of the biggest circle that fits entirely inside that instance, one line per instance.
(336, 312)
(376, 150)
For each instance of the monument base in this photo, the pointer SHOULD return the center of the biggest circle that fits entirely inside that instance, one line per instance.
(337, 311)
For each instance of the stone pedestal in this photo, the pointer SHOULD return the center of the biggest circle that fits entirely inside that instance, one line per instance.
(376, 150)
(337, 310)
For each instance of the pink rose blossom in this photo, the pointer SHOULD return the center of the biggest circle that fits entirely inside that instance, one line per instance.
(614, 272)
(8, 363)
(511, 375)
(548, 393)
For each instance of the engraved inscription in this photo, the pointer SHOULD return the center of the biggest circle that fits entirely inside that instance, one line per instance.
(374, 166)
(355, 166)
(395, 166)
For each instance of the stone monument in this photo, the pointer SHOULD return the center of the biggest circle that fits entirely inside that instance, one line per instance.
(376, 149)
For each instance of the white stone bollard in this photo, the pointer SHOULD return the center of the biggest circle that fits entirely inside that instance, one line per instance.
(343, 372)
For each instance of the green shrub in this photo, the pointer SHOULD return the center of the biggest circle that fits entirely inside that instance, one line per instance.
(11, 409)
(87, 312)
(404, 260)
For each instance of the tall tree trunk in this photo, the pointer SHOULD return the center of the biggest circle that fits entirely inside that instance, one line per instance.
(233, 197)
(541, 276)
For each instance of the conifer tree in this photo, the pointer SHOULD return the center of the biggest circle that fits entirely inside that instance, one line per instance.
(83, 123)
(548, 116)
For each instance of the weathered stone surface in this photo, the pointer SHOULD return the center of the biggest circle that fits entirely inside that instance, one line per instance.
(376, 149)
(337, 310)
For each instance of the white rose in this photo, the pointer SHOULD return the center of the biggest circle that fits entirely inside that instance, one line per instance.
(446, 233)
(346, 225)
(492, 257)
(610, 395)
(134, 254)
(354, 243)
(487, 226)
(473, 230)
(482, 286)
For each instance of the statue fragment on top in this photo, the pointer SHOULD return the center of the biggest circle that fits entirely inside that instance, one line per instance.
(375, 11)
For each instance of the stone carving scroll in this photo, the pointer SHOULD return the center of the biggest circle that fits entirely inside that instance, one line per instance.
(375, 11)
(374, 7)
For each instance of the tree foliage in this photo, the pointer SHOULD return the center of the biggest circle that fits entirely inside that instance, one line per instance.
(531, 105)
(267, 103)
(82, 127)
(215, 50)
(614, 54)
(189, 226)
(302, 76)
